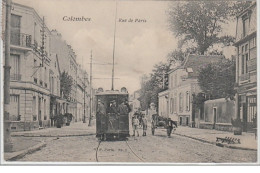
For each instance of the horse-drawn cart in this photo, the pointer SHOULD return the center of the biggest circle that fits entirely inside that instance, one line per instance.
(163, 123)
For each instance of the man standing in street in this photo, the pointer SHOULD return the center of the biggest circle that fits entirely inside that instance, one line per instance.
(135, 125)
(144, 122)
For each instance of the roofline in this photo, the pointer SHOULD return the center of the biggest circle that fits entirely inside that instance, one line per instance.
(242, 40)
(105, 93)
(163, 93)
(186, 60)
(34, 12)
(242, 12)
(57, 59)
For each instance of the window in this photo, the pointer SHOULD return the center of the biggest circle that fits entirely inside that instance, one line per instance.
(15, 67)
(253, 43)
(44, 109)
(180, 102)
(244, 59)
(245, 26)
(15, 29)
(45, 75)
(40, 72)
(171, 105)
(34, 106)
(187, 101)
(175, 103)
(14, 106)
(52, 84)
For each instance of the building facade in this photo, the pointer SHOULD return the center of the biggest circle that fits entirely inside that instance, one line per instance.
(134, 102)
(37, 60)
(30, 67)
(176, 102)
(163, 104)
(246, 66)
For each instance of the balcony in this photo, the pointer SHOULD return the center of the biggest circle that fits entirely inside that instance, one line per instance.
(16, 77)
(251, 64)
(21, 40)
(244, 77)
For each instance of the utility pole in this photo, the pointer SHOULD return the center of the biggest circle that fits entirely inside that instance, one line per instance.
(7, 136)
(84, 118)
(163, 85)
(113, 71)
(90, 81)
(43, 41)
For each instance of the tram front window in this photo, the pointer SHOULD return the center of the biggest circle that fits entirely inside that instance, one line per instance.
(112, 107)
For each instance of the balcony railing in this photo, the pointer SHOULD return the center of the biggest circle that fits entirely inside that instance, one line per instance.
(251, 64)
(244, 77)
(19, 39)
(15, 76)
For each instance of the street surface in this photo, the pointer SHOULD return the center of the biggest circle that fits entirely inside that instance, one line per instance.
(158, 148)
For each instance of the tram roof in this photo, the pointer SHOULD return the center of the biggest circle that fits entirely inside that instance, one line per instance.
(111, 92)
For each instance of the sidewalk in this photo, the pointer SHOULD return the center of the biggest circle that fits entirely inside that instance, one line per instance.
(248, 141)
(75, 129)
(23, 146)
(26, 142)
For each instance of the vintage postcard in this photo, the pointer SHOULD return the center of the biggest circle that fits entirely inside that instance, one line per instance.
(129, 82)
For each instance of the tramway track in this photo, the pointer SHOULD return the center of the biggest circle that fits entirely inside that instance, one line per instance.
(129, 150)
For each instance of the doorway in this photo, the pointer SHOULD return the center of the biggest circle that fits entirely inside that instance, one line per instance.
(214, 117)
(39, 112)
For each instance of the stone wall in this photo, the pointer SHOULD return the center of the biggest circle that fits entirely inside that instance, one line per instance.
(28, 125)
(218, 126)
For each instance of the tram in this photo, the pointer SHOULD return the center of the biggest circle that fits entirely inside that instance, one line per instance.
(112, 114)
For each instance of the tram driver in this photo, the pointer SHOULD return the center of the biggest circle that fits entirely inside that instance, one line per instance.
(113, 109)
(101, 108)
(123, 108)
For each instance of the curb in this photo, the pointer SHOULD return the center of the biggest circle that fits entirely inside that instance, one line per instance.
(20, 154)
(90, 134)
(216, 143)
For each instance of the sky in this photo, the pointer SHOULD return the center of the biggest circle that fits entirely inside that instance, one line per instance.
(138, 45)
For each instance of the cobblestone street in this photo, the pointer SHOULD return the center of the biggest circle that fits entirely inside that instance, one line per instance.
(156, 148)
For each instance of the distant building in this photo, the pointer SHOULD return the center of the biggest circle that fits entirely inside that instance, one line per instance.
(163, 107)
(134, 102)
(246, 66)
(176, 102)
(82, 88)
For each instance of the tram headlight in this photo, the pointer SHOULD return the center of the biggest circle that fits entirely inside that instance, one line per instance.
(124, 90)
(100, 89)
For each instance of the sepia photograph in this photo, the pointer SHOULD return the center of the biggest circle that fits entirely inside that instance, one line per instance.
(135, 82)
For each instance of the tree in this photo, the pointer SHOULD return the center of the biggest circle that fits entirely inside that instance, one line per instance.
(201, 22)
(66, 82)
(175, 55)
(152, 86)
(217, 80)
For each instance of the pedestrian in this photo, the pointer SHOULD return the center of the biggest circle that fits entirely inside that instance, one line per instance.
(135, 125)
(144, 122)
(169, 125)
(123, 109)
